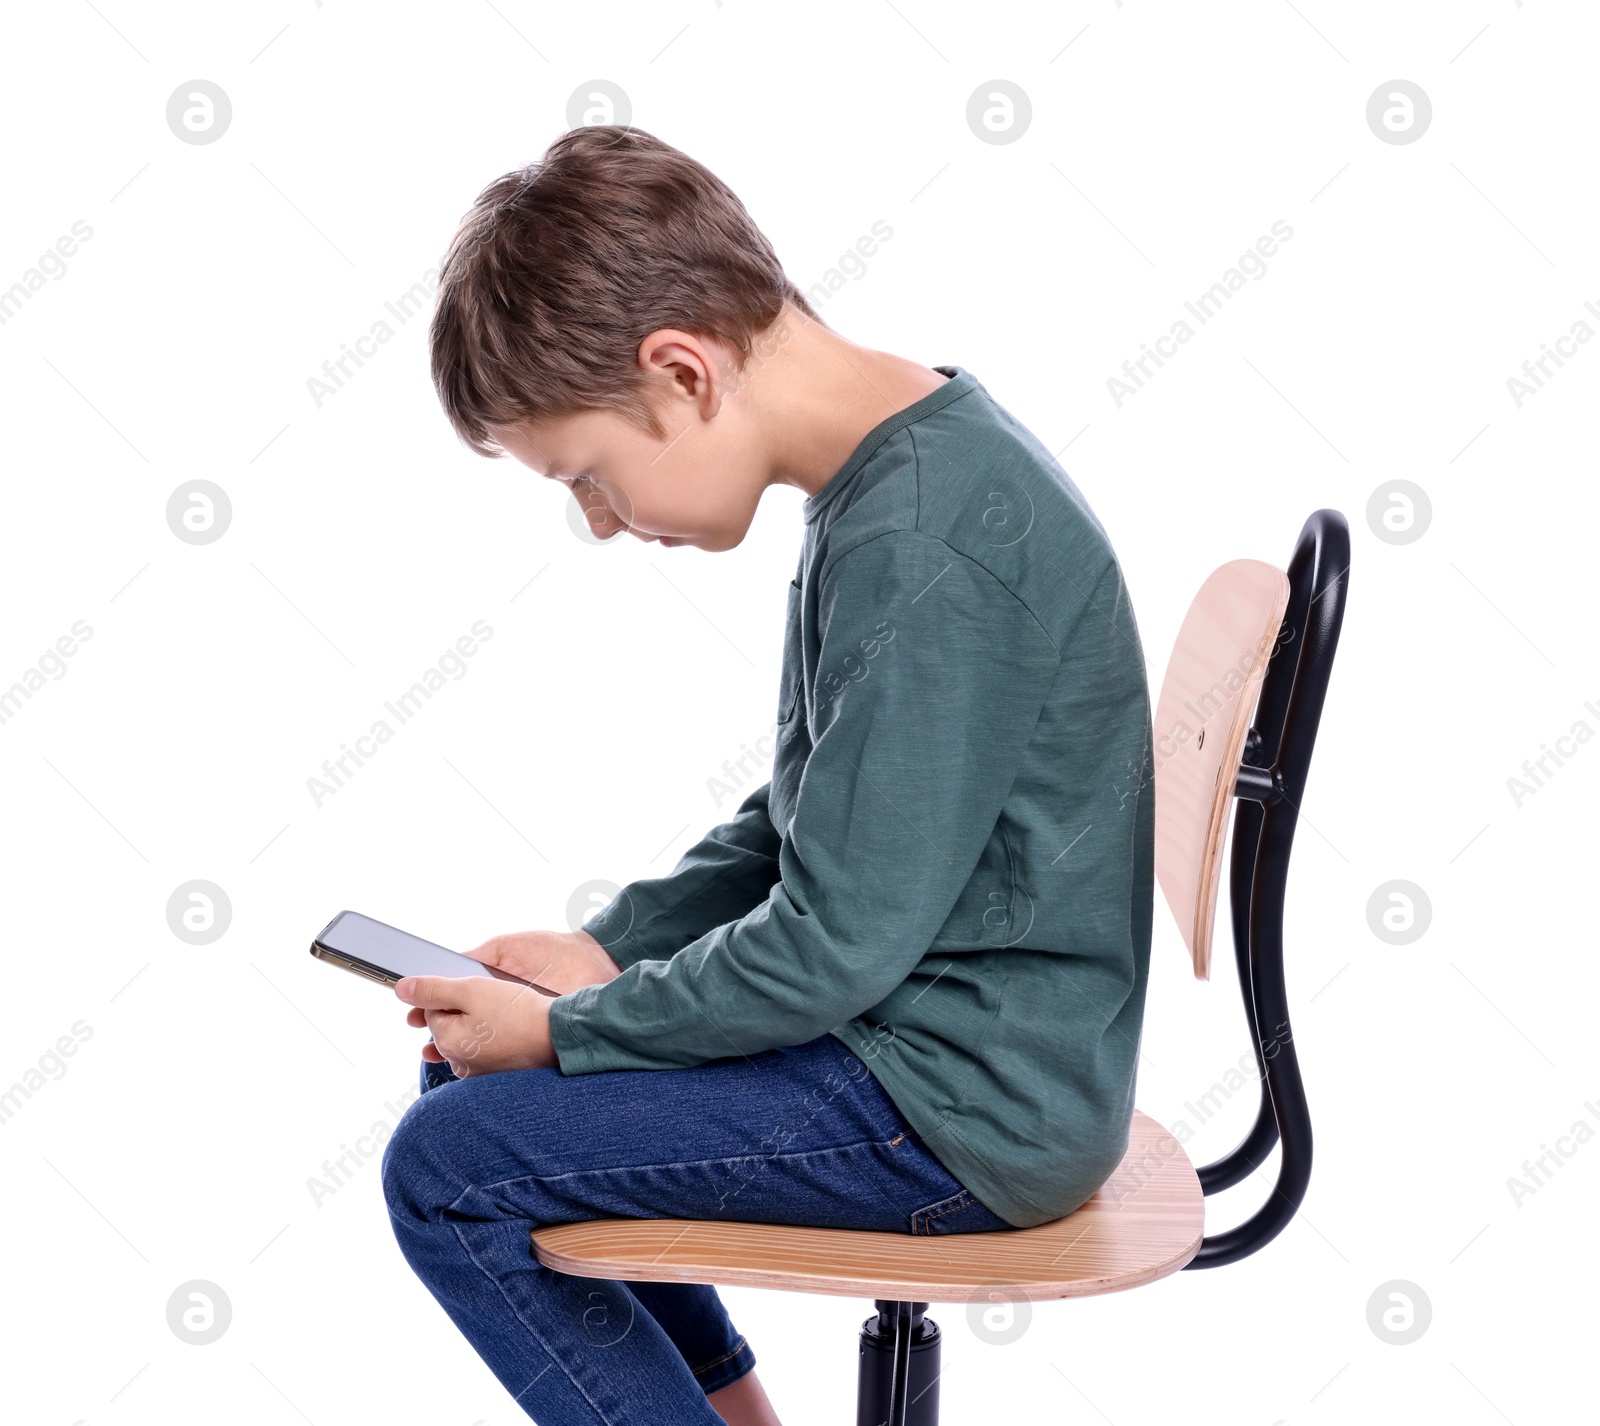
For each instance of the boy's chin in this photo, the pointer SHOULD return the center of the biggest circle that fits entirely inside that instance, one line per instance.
(711, 544)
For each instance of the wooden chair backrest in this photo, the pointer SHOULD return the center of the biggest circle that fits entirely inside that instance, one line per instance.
(1202, 716)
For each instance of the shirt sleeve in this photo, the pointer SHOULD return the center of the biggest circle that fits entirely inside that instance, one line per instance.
(718, 879)
(930, 678)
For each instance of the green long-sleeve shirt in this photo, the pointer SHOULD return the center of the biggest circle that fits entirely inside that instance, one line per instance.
(950, 870)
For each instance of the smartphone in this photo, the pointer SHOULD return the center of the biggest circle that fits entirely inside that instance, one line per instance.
(369, 948)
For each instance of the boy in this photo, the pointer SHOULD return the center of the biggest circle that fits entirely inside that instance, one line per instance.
(902, 989)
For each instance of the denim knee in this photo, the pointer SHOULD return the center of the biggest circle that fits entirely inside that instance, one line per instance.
(417, 1183)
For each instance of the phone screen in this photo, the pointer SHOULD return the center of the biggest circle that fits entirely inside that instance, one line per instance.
(395, 953)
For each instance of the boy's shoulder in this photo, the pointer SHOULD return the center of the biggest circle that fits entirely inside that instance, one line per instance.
(966, 473)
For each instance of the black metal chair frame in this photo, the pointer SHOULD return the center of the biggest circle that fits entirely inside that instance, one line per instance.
(899, 1346)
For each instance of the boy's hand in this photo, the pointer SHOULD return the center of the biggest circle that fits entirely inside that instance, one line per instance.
(479, 1025)
(558, 960)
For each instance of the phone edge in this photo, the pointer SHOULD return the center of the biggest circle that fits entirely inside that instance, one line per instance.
(364, 969)
(368, 971)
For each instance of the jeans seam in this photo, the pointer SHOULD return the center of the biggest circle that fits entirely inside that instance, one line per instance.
(728, 1357)
(533, 1332)
(953, 1204)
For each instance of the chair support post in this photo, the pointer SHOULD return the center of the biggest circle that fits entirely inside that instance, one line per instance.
(897, 1381)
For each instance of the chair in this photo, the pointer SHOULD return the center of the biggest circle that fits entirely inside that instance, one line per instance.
(1255, 639)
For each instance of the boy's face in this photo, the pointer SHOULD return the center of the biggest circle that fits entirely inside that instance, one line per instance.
(696, 486)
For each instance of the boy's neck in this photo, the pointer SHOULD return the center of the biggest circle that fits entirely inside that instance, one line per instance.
(820, 395)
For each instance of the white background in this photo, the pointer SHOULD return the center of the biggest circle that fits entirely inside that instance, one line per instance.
(1165, 139)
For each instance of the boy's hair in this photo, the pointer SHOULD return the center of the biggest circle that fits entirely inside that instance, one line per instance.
(562, 267)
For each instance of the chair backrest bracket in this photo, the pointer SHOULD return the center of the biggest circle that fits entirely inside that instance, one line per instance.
(1259, 784)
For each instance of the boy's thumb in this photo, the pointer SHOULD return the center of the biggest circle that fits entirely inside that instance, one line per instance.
(431, 992)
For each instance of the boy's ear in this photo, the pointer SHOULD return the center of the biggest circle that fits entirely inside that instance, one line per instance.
(697, 367)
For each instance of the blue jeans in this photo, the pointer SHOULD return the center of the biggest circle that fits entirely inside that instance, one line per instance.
(801, 1135)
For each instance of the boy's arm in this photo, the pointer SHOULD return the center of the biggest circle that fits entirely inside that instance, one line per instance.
(718, 879)
(931, 677)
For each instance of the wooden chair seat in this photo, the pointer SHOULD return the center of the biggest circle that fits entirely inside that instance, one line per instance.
(1144, 1222)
